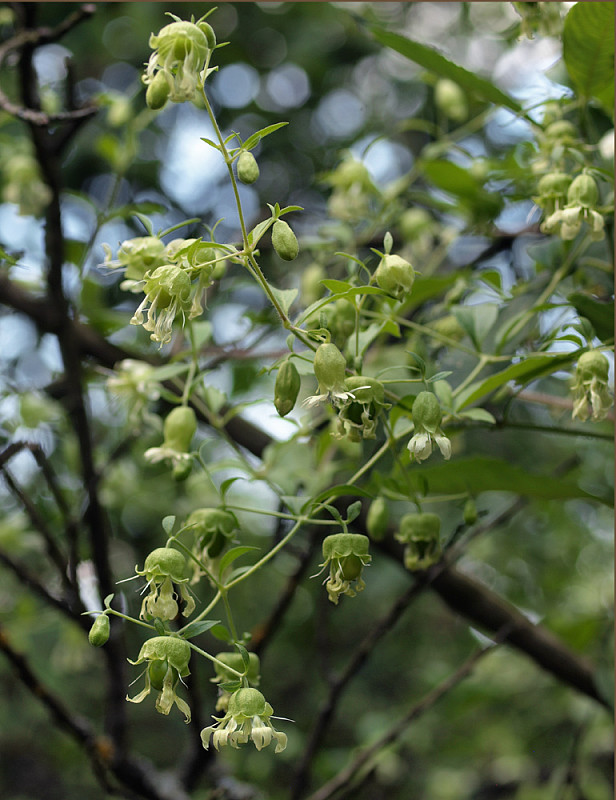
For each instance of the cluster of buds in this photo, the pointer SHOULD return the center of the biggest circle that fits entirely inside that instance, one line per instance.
(427, 417)
(582, 200)
(172, 277)
(164, 570)
(178, 66)
(167, 660)
(346, 554)
(592, 397)
(213, 529)
(247, 719)
(421, 535)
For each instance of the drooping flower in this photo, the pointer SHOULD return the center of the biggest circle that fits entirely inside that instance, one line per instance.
(167, 294)
(346, 554)
(358, 414)
(582, 198)
(167, 660)
(136, 257)
(213, 529)
(164, 570)
(592, 397)
(247, 718)
(178, 430)
(395, 275)
(427, 416)
(174, 70)
(421, 535)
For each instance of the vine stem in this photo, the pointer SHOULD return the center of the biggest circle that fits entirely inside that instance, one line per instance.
(250, 262)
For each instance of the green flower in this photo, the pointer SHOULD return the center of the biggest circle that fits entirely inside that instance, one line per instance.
(395, 275)
(181, 50)
(421, 534)
(330, 371)
(247, 718)
(136, 257)
(213, 529)
(164, 572)
(582, 197)
(167, 293)
(347, 555)
(225, 676)
(359, 412)
(427, 416)
(167, 660)
(592, 397)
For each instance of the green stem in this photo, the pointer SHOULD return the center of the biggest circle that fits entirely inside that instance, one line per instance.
(483, 361)
(214, 660)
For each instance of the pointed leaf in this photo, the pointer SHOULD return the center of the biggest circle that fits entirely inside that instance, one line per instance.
(254, 140)
(285, 297)
(168, 523)
(231, 555)
(588, 46)
(195, 628)
(221, 632)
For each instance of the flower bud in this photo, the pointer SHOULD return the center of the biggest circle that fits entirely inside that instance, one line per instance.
(157, 92)
(554, 184)
(99, 632)
(329, 367)
(395, 275)
(247, 167)
(284, 241)
(179, 428)
(377, 519)
(451, 100)
(427, 411)
(286, 389)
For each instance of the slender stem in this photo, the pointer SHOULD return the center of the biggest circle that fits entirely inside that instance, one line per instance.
(483, 360)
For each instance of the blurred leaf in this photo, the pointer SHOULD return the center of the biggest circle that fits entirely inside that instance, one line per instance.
(432, 60)
(254, 140)
(588, 47)
(231, 555)
(168, 523)
(534, 366)
(483, 474)
(477, 320)
(221, 632)
(285, 297)
(601, 315)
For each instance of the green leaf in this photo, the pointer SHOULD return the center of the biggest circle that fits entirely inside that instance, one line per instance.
(254, 140)
(478, 415)
(168, 523)
(195, 628)
(224, 486)
(353, 511)
(477, 320)
(432, 60)
(336, 287)
(483, 474)
(231, 555)
(244, 654)
(531, 368)
(588, 47)
(601, 315)
(214, 398)
(107, 600)
(221, 632)
(285, 297)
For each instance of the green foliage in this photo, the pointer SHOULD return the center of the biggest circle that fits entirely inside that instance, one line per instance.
(386, 355)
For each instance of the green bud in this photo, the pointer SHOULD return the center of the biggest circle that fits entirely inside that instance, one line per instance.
(284, 241)
(554, 184)
(247, 167)
(470, 512)
(179, 428)
(235, 661)
(377, 519)
(395, 275)
(286, 389)
(329, 367)
(99, 632)
(157, 92)
(451, 100)
(427, 411)
(421, 534)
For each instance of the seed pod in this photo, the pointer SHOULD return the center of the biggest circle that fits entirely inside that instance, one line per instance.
(377, 519)
(247, 168)
(287, 388)
(284, 241)
(99, 632)
(157, 672)
(158, 91)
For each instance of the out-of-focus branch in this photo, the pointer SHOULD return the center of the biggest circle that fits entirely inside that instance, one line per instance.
(344, 779)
